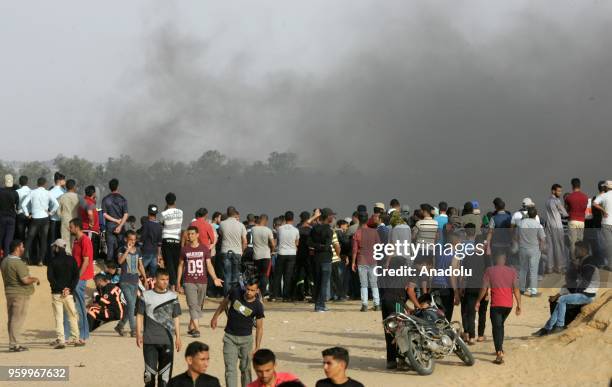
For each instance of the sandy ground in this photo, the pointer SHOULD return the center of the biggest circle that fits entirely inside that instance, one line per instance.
(297, 335)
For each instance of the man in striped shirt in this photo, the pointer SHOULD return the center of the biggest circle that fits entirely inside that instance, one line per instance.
(172, 220)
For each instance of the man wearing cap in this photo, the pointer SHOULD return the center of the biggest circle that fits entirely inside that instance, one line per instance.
(63, 276)
(576, 204)
(21, 222)
(151, 241)
(531, 240)
(320, 243)
(9, 201)
(522, 213)
(603, 203)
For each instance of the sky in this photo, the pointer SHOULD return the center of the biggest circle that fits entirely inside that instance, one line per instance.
(457, 95)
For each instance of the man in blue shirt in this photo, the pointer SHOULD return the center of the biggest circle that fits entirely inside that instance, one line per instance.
(42, 205)
(55, 222)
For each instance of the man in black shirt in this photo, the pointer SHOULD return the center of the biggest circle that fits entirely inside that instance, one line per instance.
(63, 276)
(335, 363)
(115, 209)
(151, 240)
(320, 243)
(9, 201)
(243, 310)
(197, 358)
(108, 305)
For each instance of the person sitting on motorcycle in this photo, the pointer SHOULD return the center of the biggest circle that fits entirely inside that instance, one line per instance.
(426, 311)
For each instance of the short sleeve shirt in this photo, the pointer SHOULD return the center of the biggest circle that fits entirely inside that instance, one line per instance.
(82, 247)
(261, 245)
(242, 314)
(232, 232)
(159, 311)
(13, 270)
(501, 280)
(194, 263)
(287, 235)
(129, 268)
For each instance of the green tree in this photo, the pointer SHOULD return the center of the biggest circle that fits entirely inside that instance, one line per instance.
(81, 170)
(35, 169)
(5, 170)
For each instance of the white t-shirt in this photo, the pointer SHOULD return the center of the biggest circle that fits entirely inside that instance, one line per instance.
(605, 200)
(261, 245)
(520, 215)
(173, 221)
(287, 235)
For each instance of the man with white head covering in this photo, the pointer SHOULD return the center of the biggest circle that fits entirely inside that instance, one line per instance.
(9, 201)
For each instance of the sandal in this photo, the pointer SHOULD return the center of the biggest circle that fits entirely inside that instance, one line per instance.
(195, 333)
(18, 348)
(55, 342)
(498, 360)
(481, 339)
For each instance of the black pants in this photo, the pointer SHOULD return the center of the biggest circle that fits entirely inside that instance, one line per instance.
(445, 298)
(21, 225)
(498, 318)
(388, 306)
(171, 251)
(55, 232)
(284, 270)
(39, 230)
(7, 232)
(95, 242)
(158, 361)
(263, 272)
(304, 276)
(338, 290)
(468, 313)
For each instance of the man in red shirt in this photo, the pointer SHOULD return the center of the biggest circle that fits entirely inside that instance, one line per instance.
(264, 363)
(208, 237)
(576, 204)
(82, 251)
(89, 216)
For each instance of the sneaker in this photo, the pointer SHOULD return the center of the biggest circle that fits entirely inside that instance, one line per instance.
(119, 330)
(59, 346)
(376, 308)
(557, 329)
(540, 332)
(364, 308)
(195, 334)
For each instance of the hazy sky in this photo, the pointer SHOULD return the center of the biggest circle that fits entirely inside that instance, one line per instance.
(449, 92)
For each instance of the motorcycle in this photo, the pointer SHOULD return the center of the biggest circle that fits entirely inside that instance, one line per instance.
(420, 341)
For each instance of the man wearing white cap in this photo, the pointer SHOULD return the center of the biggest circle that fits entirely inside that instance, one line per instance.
(604, 204)
(63, 276)
(9, 200)
(522, 213)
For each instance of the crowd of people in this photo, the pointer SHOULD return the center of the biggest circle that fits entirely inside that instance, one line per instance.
(313, 257)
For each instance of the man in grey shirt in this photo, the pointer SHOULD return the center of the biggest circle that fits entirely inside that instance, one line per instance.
(233, 243)
(263, 245)
(531, 239)
(556, 259)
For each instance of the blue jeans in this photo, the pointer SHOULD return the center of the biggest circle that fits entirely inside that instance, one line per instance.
(81, 309)
(322, 284)
(130, 293)
(366, 276)
(231, 270)
(529, 259)
(558, 316)
(149, 261)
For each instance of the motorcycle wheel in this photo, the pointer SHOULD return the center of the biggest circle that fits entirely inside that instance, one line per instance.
(419, 362)
(463, 352)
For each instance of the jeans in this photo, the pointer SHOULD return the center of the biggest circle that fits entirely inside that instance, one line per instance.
(39, 228)
(171, 252)
(231, 270)
(130, 292)
(21, 224)
(529, 260)
(558, 316)
(112, 242)
(498, 318)
(81, 309)
(322, 283)
(367, 277)
(237, 348)
(149, 261)
(283, 272)
(55, 232)
(338, 289)
(7, 232)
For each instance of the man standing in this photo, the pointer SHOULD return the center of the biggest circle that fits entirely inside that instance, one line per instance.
(208, 237)
(244, 310)
(197, 357)
(21, 222)
(82, 251)
(264, 364)
(130, 260)
(151, 241)
(233, 243)
(263, 245)
(172, 220)
(442, 219)
(363, 261)
(335, 364)
(576, 204)
(555, 210)
(157, 323)
(603, 203)
(68, 210)
(89, 217)
(42, 205)
(9, 200)
(499, 237)
(288, 242)
(63, 276)
(58, 190)
(531, 240)
(320, 243)
(115, 209)
(194, 262)
(18, 287)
